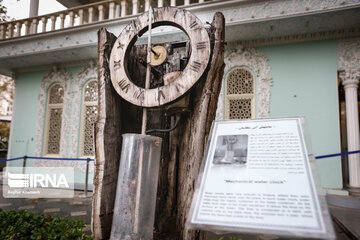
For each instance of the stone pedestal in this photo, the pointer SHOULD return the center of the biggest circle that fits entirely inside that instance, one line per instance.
(350, 81)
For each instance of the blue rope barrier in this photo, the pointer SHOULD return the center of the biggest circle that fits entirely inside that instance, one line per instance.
(11, 159)
(336, 154)
(91, 159)
(65, 159)
(47, 158)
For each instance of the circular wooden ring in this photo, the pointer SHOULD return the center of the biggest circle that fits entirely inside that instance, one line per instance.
(198, 61)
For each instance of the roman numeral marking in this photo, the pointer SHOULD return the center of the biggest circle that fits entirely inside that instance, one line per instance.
(124, 85)
(160, 93)
(177, 85)
(120, 45)
(139, 94)
(200, 45)
(193, 24)
(117, 64)
(195, 66)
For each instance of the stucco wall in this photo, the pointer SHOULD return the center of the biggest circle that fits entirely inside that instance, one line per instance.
(305, 84)
(25, 119)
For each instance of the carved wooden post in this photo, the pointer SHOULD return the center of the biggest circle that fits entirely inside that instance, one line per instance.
(107, 142)
(198, 126)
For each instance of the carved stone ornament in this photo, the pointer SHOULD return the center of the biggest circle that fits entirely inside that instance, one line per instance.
(61, 76)
(83, 76)
(86, 74)
(348, 54)
(257, 62)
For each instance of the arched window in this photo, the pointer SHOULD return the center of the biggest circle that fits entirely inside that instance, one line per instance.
(88, 119)
(240, 94)
(54, 112)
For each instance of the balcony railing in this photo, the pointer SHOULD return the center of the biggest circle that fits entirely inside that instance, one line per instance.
(85, 14)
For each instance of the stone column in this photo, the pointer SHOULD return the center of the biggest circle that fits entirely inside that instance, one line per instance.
(34, 8)
(350, 81)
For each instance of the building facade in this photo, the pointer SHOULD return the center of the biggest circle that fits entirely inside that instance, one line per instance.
(283, 58)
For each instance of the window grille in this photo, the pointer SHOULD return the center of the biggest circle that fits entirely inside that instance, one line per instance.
(240, 97)
(88, 118)
(54, 114)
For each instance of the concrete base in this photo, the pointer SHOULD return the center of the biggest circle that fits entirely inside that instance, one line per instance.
(354, 191)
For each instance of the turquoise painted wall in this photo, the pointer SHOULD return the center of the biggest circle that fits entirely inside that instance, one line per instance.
(23, 134)
(305, 84)
(25, 117)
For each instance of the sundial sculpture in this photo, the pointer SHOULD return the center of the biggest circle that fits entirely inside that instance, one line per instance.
(133, 214)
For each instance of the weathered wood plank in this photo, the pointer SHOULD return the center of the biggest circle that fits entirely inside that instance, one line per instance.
(107, 142)
(198, 126)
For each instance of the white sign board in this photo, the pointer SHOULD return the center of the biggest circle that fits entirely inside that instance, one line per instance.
(256, 177)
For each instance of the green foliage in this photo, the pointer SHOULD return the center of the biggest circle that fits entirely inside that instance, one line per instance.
(22, 225)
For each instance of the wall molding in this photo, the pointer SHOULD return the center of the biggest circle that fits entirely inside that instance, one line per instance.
(348, 54)
(257, 62)
(317, 36)
(87, 73)
(59, 75)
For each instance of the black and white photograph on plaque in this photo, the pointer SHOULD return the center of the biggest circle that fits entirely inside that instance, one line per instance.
(231, 149)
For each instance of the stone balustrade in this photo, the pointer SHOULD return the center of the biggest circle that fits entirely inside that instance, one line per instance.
(85, 14)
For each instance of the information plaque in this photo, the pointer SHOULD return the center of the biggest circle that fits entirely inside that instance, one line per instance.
(256, 178)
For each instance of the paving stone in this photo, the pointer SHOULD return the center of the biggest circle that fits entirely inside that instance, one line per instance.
(26, 207)
(51, 210)
(5, 204)
(53, 200)
(79, 213)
